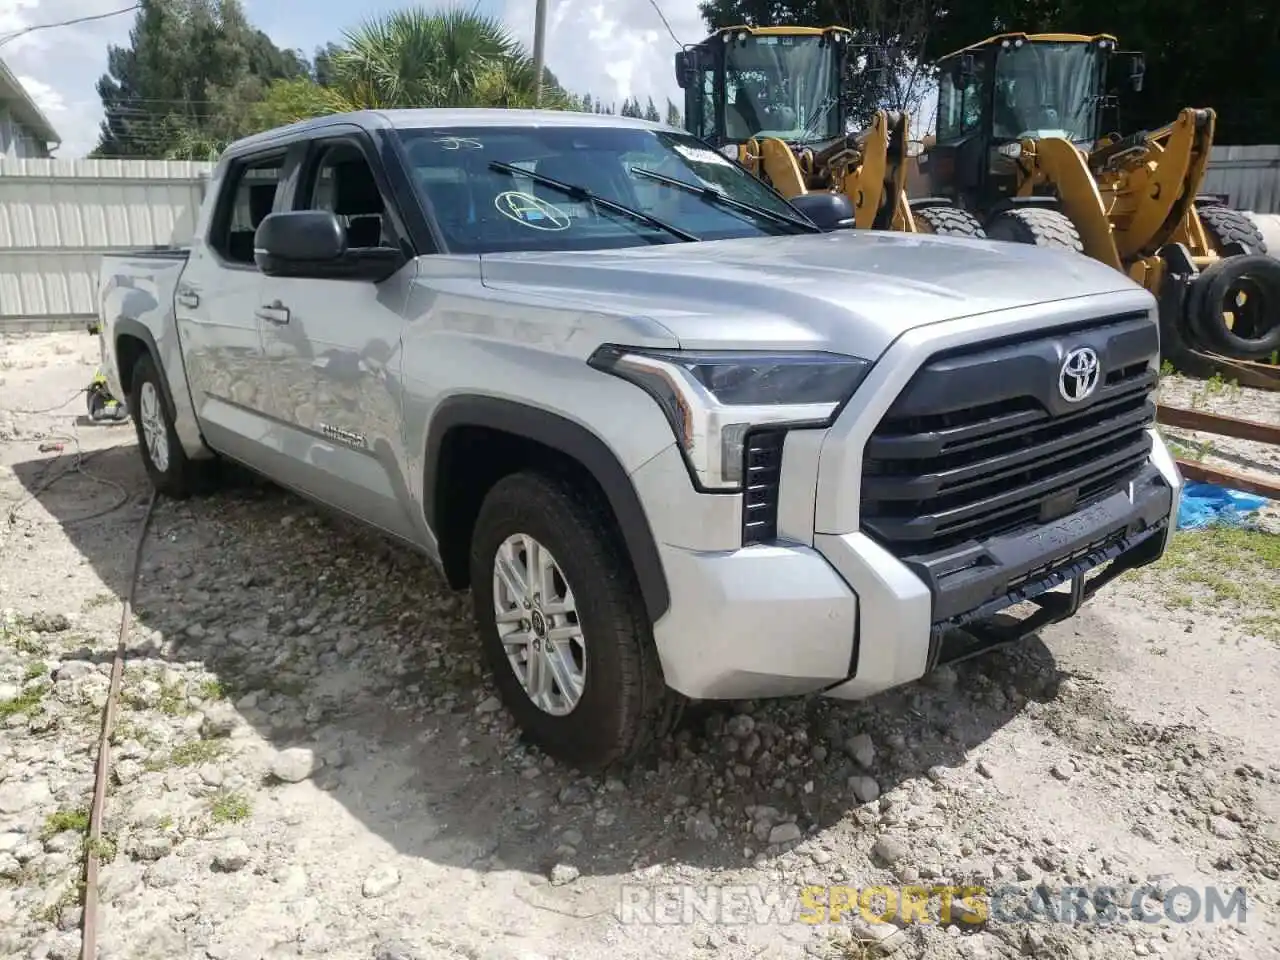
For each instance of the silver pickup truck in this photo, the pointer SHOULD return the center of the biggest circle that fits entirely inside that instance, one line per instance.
(680, 438)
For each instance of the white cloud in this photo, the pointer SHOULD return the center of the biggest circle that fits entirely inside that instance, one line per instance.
(58, 67)
(613, 49)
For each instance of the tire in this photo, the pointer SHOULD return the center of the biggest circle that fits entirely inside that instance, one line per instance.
(624, 705)
(1246, 289)
(948, 222)
(1039, 226)
(1224, 225)
(172, 473)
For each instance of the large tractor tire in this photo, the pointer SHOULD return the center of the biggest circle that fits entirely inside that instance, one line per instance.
(1038, 226)
(1234, 307)
(1224, 225)
(947, 222)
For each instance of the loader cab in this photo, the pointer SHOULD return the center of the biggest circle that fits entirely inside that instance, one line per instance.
(783, 82)
(996, 94)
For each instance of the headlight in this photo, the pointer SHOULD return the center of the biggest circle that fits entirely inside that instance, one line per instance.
(714, 399)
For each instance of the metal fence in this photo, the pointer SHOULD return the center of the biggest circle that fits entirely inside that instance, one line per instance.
(1249, 177)
(57, 218)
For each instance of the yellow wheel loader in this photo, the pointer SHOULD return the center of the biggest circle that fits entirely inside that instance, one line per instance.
(770, 98)
(1021, 143)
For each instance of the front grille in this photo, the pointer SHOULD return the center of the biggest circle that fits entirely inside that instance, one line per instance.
(979, 444)
(763, 462)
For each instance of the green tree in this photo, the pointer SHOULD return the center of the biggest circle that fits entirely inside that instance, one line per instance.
(651, 112)
(673, 115)
(185, 62)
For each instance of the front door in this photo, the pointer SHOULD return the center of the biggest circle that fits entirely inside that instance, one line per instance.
(332, 350)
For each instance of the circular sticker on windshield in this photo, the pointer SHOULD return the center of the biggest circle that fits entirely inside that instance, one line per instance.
(530, 211)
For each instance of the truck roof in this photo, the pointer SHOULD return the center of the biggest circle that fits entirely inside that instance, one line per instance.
(440, 117)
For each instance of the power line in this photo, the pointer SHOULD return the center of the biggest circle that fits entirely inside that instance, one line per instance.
(663, 17)
(66, 23)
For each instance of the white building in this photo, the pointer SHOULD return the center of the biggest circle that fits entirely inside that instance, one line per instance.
(24, 129)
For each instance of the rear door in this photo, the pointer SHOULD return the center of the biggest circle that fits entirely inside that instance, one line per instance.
(333, 348)
(217, 304)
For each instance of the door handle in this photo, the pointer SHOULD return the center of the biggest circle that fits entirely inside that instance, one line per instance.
(188, 298)
(273, 313)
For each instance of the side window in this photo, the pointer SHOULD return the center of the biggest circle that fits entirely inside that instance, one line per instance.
(341, 181)
(708, 105)
(950, 103)
(252, 192)
(974, 97)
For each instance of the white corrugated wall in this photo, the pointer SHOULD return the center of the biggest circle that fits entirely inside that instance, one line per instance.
(1248, 176)
(57, 218)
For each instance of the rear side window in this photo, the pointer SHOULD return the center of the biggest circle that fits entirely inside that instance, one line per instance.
(247, 199)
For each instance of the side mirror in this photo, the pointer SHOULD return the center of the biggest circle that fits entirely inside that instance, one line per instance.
(686, 69)
(830, 211)
(313, 243)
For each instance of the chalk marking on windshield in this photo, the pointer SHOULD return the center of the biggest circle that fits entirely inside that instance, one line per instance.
(530, 211)
(459, 143)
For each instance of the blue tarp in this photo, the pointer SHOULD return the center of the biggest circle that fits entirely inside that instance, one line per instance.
(1207, 503)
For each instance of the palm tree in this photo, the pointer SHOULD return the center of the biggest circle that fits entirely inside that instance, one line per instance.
(454, 57)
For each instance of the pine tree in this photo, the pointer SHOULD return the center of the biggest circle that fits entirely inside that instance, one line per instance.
(673, 115)
(651, 112)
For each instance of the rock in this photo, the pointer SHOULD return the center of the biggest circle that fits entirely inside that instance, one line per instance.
(986, 769)
(210, 774)
(700, 827)
(127, 771)
(9, 691)
(9, 866)
(862, 750)
(64, 842)
(347, 645)
(740, 726)
(573, 795)
(49, 622)
(397, 950)
(563, 873)
(1061, 771)
(233, 855)
(785, 833)
(889, 850)
(1222, 827)
(571, 837)
(73, 670)
(17, 796)
(942, 678)
(380, 882)
(151, 847)
(489, 705)
(166, 873)
(294, 765)
(220, 721)
(864, 788)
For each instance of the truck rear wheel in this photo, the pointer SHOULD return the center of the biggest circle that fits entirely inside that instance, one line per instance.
(172, 473)
(1039, 226)
(563, 626)
(947, 222)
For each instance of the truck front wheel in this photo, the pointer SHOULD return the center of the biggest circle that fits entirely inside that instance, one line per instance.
(172, 473)
(563, 625)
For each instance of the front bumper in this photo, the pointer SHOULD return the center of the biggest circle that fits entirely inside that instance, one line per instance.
(847, 618)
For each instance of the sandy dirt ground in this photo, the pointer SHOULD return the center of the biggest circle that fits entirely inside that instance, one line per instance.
(309, 761)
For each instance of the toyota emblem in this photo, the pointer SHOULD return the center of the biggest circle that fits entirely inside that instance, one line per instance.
(1078, 377)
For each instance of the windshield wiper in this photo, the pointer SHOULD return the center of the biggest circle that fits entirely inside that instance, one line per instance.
(712, 195)
(582, 193)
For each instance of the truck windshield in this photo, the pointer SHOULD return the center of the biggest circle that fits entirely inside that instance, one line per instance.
(482, 208)
(1047, 90)
(780, 86)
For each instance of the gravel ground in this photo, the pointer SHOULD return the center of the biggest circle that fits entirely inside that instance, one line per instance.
(309, 761)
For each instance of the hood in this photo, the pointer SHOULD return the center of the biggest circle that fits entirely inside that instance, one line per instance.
(850, 292)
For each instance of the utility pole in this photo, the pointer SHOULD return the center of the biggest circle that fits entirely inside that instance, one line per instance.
(539, 50)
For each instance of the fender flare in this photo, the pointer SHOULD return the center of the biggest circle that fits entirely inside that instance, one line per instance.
(126, 327)
(573, 440)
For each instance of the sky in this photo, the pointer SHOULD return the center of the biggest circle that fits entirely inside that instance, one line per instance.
(612, 49)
